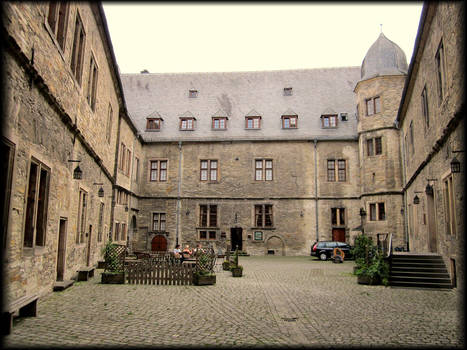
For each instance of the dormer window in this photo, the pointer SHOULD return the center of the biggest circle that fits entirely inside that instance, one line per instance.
(287, 91)
(219, 123)
(193, 93)
(153, 124)
(253, 122)
(329, 121)
(289, 121)
(373, 105)
(187, 123)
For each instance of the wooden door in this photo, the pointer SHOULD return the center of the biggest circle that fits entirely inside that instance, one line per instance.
(432, 236)
(88, 251)
(236, 238)
(61, 249)
(159, 244)
(338, 234)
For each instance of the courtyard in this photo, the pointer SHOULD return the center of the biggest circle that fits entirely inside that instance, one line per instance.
(279, 302)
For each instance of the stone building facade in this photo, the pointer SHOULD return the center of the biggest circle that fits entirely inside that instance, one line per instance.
(266, 161)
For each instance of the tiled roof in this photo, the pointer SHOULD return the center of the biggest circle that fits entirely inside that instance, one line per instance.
(238, 94)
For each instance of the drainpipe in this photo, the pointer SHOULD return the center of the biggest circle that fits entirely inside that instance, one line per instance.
(117, 152)
(177, 233)
(315, 141)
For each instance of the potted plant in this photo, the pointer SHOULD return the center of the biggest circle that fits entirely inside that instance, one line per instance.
(226, 263)
(373, 271)
(204, 273)
(237, 270)
(114, 257)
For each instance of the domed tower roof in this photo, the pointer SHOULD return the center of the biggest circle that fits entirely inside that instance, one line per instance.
(383, 58)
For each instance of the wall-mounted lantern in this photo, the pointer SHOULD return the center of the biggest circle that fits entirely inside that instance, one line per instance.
(77, 173)
(455, 166)
(362, 212)
(429, 190)
(100, 193)
(416, 200)
(187, 212)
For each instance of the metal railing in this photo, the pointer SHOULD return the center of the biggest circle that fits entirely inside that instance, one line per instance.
(385, 244)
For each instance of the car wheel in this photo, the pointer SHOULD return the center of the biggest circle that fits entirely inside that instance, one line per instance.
(323, 256)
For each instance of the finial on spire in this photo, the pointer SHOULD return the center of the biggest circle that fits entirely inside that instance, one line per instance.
(381, 25)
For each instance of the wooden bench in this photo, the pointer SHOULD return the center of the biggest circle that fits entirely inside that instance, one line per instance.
(85, 273)
(26, 305)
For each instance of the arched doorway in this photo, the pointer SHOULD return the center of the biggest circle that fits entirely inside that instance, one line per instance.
(159, 244)
(275, 246)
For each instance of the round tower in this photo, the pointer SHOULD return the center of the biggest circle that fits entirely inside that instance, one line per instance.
(378, 95)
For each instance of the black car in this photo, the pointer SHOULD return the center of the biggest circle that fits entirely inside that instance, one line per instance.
(324, 249)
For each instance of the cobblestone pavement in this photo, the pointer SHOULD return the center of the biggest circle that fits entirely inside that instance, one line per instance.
(280, 301)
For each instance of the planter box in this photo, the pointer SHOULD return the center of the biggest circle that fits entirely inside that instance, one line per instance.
(204, 280)
(113, 278)
(362, 279)
(226, 266)
(236, 272)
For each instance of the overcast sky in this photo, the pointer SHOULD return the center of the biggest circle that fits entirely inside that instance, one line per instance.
(217, 37)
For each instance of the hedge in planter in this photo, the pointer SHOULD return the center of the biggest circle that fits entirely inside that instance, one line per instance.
(237, 270)
(204, 274)
(114, 257)
(376, 271)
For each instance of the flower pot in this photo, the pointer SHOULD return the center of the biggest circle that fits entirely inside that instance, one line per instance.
(226, 266)
(364, 279)
(113, 278)
(236, 271)
(204, 280)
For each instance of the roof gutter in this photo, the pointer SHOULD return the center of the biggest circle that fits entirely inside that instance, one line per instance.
(420, 42)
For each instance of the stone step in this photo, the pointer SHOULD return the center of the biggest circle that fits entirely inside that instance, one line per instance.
(411, 273)
(421, 285)
(421, 279)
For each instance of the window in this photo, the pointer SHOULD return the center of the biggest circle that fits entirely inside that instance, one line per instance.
(158, 221)
(153, 124)
(82, 212)
(329, 121)
(219, 123)
(258, 236)
(449, 207)
(123, 234)
(263, 215)
(263, 170)
(136, 169)
(109, 124)
(377, 212)
(121, 163)
(252, 122)
(374, 146)
(57, 20)
(441, 71)
(207, 215)
(289, 121)
(187, 123)
(338, 216)
(425, 107)
(36, 206)
(8, 155)
(158, 170)
(412, 145)
(121, 197)
(117, 231)
(208, 170)
(101, 221)
(288, 91)
(193, 93)
(77, 53)
(127, 163)
(92, 83)
(207, 235)
(373, 105)
(341, 170)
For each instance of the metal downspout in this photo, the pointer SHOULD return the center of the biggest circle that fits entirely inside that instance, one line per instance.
(406, 221)
(178, 192)
(117, 152)
(316, 190)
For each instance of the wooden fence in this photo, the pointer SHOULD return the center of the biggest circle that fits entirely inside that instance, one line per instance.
(160, 273)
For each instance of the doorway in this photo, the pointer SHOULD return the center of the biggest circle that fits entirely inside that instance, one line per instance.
(159, 244)
(88, 250)
(432, 237)
(236, 238)
(61, 249)
(338, 234)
